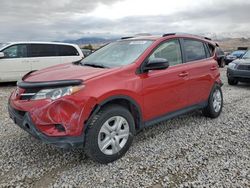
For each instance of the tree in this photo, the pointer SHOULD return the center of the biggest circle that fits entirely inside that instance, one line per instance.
(89, 47)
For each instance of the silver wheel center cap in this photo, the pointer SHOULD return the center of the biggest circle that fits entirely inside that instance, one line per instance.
(113, 134)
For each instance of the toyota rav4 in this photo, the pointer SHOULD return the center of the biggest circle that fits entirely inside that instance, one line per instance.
(100, 102)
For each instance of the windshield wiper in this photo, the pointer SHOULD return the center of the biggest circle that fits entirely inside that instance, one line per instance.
(94, 65)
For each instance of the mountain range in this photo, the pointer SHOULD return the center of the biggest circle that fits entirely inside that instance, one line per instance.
(103, 40)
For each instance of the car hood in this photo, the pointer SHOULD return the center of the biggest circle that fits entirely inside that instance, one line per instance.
(65, 72)
(242, 61)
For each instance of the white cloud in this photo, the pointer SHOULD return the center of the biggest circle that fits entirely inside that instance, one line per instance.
(72, 19)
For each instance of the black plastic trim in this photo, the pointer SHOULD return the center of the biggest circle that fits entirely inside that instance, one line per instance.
(110, 99)
(175, 114)
(168, 34)
(48, 84)
(26, 124)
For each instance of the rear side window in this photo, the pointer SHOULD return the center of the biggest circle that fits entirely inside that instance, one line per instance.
(15, 51)
(42, 50)
(194, 50)
(64, 50)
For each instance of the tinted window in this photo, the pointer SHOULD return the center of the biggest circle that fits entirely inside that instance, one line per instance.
(219, 51)
(65, 50)
(194, 50)
(42, 50)
(16, 51)
(169, 50)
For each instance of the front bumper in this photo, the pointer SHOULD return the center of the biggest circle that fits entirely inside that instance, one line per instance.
(240, 75)
(23, 120)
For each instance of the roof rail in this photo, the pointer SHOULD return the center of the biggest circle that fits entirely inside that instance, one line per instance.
(123, 38)
(207, 38)
(142, 34)
(136, 35)
(168, 34)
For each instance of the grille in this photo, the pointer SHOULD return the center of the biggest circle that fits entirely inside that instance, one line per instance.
(18, 112)
(244, 67)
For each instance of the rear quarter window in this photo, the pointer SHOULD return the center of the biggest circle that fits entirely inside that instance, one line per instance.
(65, 50)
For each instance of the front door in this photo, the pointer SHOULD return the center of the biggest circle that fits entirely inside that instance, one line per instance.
(165, 91)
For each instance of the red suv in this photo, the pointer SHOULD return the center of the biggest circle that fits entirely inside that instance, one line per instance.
(102, 101)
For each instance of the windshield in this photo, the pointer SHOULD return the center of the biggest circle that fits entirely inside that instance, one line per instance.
(117, 53)
(238, 53)
(247, 55)
(3, 45)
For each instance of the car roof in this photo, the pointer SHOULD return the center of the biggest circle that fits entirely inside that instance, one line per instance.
(8, 44)
(38, 42)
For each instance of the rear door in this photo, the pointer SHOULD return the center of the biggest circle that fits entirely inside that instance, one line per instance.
(165, 91)
(15, 63)
(43, 55)
(201, 68)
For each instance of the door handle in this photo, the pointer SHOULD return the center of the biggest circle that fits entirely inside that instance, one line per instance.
(213, 68)
(183, 74)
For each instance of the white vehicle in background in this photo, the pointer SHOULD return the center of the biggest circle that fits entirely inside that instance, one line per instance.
(19, 58)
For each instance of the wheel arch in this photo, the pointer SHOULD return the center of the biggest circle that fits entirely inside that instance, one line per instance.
(123, 100)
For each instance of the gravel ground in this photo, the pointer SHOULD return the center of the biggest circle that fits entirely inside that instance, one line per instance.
(189, 151)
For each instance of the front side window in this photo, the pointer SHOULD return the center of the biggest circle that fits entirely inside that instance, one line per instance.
(118, 53)
(194, 50)
(16, 51)
(170, 50)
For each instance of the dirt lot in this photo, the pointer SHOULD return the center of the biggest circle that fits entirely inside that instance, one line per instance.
(189, 151)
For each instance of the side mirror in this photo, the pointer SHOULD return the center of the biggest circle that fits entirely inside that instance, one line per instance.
(156, 64)
(1, 55)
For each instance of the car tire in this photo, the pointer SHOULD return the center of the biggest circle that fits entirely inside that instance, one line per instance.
(109, 134)
(232, 81)
(215, 103)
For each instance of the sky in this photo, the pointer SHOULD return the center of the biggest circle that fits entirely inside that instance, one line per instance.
(50, 20)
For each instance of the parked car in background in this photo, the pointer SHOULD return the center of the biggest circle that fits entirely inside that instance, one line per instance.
(220, 57)
(234, 55)
(239, 70)
(19, 58)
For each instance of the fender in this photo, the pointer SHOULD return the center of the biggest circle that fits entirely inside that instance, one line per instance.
(110, 99)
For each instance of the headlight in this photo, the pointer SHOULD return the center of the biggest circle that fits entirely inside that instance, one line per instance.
(232, 65)
(56, 93)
